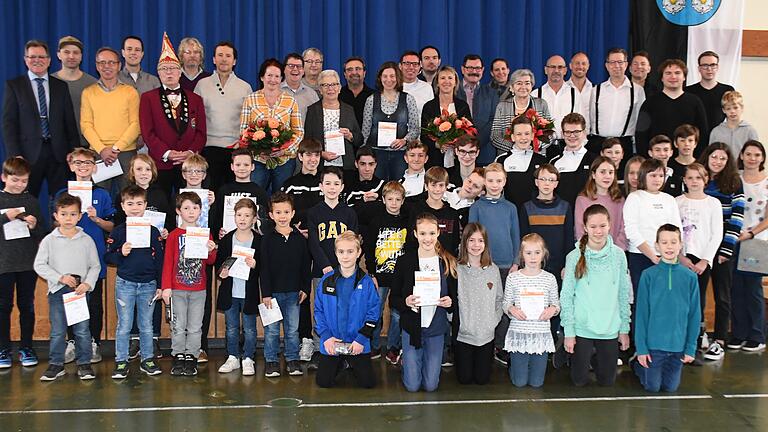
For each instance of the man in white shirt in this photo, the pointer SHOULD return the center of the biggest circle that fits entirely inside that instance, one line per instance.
(420, 90)
(614, 105)
(293, 85)
(582, 84)
(562, 97)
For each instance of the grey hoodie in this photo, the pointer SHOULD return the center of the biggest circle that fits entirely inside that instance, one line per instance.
(59, 255)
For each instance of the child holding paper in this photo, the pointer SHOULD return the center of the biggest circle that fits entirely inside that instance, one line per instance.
(530, 301)
(184, 283)
(69, 262)
(480, 292)
(595, 301)
(238, 294)
(97, 223)
(346, 313)
(21, 233)
(242, 165)
(285, 283)
(423, 327)
(139, 270)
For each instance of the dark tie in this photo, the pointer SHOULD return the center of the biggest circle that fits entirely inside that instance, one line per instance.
(44, 126)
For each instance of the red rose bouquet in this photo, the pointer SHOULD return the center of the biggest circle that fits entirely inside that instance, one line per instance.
(448, 128)
(543, 128)
(266, 137)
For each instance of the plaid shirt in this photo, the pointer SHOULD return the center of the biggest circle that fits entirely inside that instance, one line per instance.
(285, 110)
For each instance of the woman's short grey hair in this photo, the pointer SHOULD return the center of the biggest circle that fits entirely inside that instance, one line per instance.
(328, 73)
(520, 73)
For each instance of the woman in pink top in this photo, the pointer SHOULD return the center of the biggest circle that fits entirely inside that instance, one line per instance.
(602, 188)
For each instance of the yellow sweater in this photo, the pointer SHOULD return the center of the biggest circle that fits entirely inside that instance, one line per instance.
(110, 118)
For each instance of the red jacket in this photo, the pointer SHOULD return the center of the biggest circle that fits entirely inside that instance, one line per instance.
(181, 273)
(160, 133)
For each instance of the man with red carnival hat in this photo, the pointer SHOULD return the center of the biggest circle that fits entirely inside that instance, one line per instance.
(172, 120)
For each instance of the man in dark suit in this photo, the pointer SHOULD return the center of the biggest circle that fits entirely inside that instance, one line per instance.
(39, 120)
(482, 100)
(172, 121)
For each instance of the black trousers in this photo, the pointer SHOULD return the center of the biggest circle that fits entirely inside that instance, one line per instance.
(606, 353)
(170, 181)
(703, 282)
(473, 363)
(722, 275)
(46, 167)
(360, 365)
(95, 310)
(25, 301)
(219, 172)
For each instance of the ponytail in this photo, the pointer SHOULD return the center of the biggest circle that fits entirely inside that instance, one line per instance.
(581, 264)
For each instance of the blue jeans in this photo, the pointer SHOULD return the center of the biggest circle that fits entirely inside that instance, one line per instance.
(130, 297)
(527, 369)
(390, 165)
(272, 179)
(59, 331)
(421, 367)
(232, 322)
(663, 372)
(393, 334)
(289, 306)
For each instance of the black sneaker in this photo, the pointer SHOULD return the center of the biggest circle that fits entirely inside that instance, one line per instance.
(447, 359)
(272, 370)
(150, 368)
(133, 349)
(560, 358)
(53, 372)
(190, 365)
(735, 344)
(85, 372)
(294, 368)
(315, 362)
(177, 368)
(751, 346)
(121, 370)
(376, 353)
(501, 356)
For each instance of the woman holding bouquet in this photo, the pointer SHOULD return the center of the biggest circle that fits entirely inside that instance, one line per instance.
(445, 87)
(514, 101)
(269, 102)
(329, 118)
(390, 119)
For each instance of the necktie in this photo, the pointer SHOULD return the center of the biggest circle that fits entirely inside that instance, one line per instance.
(44, 126)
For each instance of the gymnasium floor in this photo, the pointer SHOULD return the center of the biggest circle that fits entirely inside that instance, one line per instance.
(729, 395)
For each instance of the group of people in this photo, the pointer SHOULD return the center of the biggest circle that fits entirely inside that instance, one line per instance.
(498, 245)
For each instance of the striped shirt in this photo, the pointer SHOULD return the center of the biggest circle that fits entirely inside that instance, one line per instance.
(733, 215)
(285, 110)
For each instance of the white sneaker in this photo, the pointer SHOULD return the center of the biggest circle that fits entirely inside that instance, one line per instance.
(249, 367)
(306, 350)
(231, 364)
(714, 352)
(95, 352)
(69, 352)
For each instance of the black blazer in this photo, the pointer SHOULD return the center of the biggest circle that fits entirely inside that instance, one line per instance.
(428, 113)
(313, 128)
(21, 120)
(402, 286)
(252, 292)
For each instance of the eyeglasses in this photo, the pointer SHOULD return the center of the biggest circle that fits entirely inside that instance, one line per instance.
(354, 69)
(616, 62)
(558, 67)
(313, 61)
(79, 163)
(329, 85)
(194, 171)
(708, 65)
(410, 64)
(168, 69)
(548, 180)
(473, 68)
(523, 83)
(294, 66)
(38, 57)
(103, 63)
(461, 152)
(572, 133)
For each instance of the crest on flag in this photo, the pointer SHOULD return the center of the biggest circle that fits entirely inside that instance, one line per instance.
(688, 12)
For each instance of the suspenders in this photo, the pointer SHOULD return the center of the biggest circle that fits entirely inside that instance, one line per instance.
(629, 113)
(573, 96)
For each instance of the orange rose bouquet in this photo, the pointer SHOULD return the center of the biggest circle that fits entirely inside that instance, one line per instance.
(448, 128)
(543, 128)
(265, 137)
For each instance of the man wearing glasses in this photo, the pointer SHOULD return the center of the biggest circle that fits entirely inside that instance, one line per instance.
(482, 100)
(561, 96)
(39, 120)
(70, 54)
(313, 62)
(356, 91)
(172, 121)
(573, 164)
(293, 85)
(192, 55)
(110, 117)
(708, 89)
(410, 66)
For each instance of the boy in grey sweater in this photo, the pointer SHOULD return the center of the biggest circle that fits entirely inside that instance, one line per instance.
(67, 259)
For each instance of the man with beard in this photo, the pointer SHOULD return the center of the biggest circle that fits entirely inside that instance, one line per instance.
(561, 96)
(430, 63)
(293, 70)
(356, 91)
(482, 101)
(70, 54)
(192, 55)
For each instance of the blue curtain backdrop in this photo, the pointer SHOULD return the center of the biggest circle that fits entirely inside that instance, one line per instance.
(525, 32)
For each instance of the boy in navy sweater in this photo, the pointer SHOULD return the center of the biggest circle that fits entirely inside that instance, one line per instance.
(136, 287)
(667, 316)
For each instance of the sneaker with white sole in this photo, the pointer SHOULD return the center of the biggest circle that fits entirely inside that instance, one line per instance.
(375, 354)
(6, 359)
(231, 364)
(28, 357)
(751, 346)
(85, 372)
(69, 352)
(294, 368)
(53, 372)
(306, 349)
(714, 352)
(249, 367)
(735, 343)
(272, 370)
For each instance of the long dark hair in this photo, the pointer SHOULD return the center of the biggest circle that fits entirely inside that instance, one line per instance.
(727, 180)
(581, 265)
